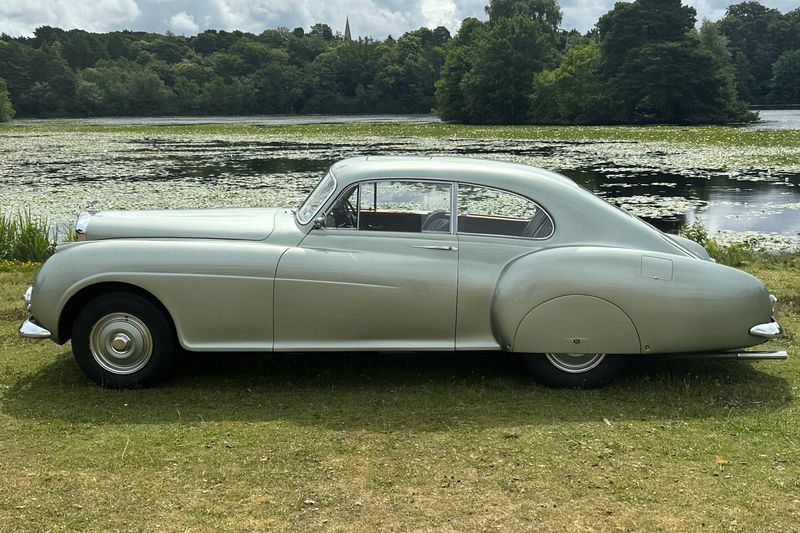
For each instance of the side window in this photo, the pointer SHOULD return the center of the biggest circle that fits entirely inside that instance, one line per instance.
(494, 212)
(394, 205)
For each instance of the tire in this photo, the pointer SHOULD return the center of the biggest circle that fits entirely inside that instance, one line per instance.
(574, 371)
(123, 340)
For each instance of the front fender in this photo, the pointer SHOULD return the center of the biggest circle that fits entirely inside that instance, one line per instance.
(218, 293)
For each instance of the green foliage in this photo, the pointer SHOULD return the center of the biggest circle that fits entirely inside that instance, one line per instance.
(62, 73)
(573, 92)
(497, 87)
(489, 67)
(546, 11)
(735, 254)
(6, 109)
(786, 79)
(25, 237)
(451, 104)
(662, 71)
(757, 36)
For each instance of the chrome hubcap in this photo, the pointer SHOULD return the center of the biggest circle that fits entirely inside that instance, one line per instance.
(121, 343)
(575, 363)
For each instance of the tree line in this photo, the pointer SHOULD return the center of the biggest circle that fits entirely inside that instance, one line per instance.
(643, 62)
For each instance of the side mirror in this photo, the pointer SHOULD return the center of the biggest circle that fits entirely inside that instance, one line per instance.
(319, 223)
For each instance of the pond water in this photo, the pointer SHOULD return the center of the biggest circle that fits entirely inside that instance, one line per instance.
(59, 174)
(777, 119)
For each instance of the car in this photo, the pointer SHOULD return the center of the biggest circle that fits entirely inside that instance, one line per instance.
(397, 254)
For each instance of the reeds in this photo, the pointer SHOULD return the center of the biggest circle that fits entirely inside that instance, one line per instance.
(25, 237)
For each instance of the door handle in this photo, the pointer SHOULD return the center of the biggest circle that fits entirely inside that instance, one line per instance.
(436, 247)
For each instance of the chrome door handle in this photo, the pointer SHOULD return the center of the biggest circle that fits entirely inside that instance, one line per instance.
(434, 247)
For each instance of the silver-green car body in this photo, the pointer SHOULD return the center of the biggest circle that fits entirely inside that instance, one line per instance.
(595, 280)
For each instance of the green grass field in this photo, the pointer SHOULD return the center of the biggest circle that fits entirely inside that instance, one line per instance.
(366, 442)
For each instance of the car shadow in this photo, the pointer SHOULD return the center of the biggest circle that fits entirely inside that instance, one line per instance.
(386, 392)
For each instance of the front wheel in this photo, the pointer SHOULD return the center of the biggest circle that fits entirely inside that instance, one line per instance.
(574, 370)
(122, 340)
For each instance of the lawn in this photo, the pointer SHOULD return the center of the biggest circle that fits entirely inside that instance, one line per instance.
(366, 442)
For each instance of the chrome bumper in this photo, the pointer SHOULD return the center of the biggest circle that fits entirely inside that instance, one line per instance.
(770, 330)
(31, 330)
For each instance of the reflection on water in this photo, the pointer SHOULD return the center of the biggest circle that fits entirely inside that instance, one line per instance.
(777, 119)
(60, 174)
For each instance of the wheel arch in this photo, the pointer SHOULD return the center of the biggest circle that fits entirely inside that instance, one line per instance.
(78, 300)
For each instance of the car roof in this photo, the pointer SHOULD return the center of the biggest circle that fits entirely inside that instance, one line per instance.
(502, 174)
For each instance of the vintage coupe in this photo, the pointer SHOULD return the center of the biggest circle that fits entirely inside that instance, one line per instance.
(397, 254)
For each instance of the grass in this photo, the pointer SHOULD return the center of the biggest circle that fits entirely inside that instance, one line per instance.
(365, 442)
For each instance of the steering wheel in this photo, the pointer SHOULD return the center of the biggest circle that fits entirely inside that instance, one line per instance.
(345, 212)
(351, 214)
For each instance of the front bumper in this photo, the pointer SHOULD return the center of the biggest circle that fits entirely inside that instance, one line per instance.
(31, 330)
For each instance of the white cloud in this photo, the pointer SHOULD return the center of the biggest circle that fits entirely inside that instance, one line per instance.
(373, 18)
(438, 13)
(183, 23)
(21, 17)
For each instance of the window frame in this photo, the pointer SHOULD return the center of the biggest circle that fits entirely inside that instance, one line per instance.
(453, 201)
(539, 207)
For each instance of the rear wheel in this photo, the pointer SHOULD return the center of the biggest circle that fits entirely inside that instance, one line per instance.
(574, 370)
(123, 340)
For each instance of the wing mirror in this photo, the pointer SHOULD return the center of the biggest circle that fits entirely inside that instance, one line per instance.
(319, 223)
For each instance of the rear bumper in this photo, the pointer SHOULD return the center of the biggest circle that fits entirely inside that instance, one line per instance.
(31, 330)
(770, 330)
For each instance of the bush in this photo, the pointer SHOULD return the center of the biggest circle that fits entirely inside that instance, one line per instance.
(735, 254)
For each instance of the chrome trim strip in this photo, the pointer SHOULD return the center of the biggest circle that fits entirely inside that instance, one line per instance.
(31, 330)
(437, 247)
(770, 330)
(750, 356)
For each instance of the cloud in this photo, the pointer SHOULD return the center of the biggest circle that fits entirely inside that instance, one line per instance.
(368, 18)
(21, 17)
(183, 23)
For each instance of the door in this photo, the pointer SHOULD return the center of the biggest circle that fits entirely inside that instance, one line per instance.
(382, 273)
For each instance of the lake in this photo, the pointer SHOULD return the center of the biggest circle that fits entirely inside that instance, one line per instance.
(59, 173)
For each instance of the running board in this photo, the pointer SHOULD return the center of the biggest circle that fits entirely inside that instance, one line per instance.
(749, 356)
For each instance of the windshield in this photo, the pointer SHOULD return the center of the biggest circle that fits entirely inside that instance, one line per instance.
(315, 200)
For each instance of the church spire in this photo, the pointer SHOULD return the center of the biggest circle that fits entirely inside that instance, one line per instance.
(347, 36)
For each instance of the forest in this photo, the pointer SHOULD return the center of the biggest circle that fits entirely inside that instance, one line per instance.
(646, 61)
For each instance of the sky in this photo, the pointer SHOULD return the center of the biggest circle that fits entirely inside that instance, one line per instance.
(368, 18)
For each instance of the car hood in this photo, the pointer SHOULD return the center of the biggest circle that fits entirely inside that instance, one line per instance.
(239, 224)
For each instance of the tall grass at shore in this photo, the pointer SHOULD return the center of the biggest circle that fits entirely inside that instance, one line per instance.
(25, 237)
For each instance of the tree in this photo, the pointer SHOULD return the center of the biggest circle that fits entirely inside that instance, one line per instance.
(786, 79)
(6, 109)
(574, 92)
(661, 70)
(451, 103)
(757, 36)
(630, 26)
(497, 87)
(321, 30)
(546, 11)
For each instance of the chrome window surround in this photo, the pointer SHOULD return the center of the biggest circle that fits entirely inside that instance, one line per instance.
(322, 204)
(537, 204)
(358, 184)
(453, 205)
